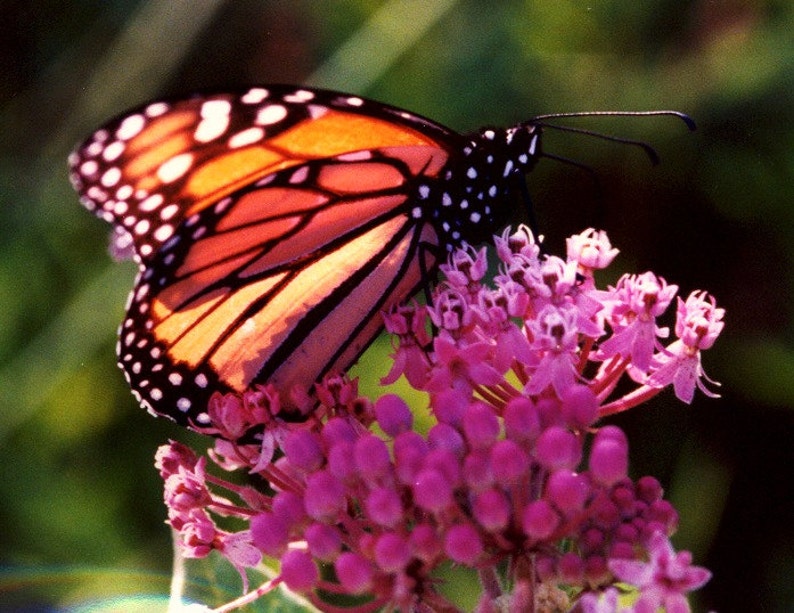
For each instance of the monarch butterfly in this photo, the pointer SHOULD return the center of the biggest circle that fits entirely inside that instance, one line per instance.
(272, 226)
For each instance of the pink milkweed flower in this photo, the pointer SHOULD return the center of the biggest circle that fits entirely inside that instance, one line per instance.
(664, 580)
(698, 324)
(555, 338)
(698, 320)
(495, 309)
(510, 465)
(461, 368)
(186, 489)
(450, 311)
(550, 281)
(520, 243)
(590, 249)
(197, 532)
(466, 267)
(681, 366)
(602, 602)
(408, 324)
(637, 300)
(238, 548)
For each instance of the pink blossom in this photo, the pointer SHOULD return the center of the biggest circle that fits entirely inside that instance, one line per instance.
(520, 243)
(299, 571)
(590, 249)
(461, 367)
(555, 341)
(698, 324)
(635, 304)
(465, 268)
(408, 324)
(240, 551)
(514, 379)
(186, 489)
(174, 456)
(698, 320)
(197, 533)
(664, 579)
(495, 310)
(602, 602)
(680, 365)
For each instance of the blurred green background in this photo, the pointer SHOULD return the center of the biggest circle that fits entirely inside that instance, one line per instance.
(80, 503)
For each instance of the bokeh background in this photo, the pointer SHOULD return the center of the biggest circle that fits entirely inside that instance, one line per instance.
(80, 503)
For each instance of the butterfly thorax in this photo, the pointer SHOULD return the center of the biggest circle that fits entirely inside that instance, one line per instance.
(470, 197)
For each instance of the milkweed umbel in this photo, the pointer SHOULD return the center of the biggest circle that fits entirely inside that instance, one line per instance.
(271, 227)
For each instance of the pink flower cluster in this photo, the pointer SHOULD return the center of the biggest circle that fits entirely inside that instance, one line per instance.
(513, 475)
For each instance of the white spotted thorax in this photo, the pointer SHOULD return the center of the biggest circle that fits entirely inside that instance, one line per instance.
(468, 200)
(146, 174)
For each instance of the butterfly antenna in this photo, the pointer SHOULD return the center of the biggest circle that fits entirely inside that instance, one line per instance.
(690, 123)
(648, 149)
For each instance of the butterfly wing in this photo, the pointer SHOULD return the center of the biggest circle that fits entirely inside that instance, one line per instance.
(150, 169)
(279, 282)
(270, 225)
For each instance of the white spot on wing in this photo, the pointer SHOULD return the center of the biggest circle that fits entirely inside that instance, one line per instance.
(130, 127)
(301, 95)
(113, 151)
(213, 108)
(176, 167)
(156, 109)
(317, 110)
(151, 203)
(215, 120)
(89, 168)
(169, 211)
(355, 156)
(246, 137)
(94, 149)
(254, 95)
(164, 232)
(270, 114)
